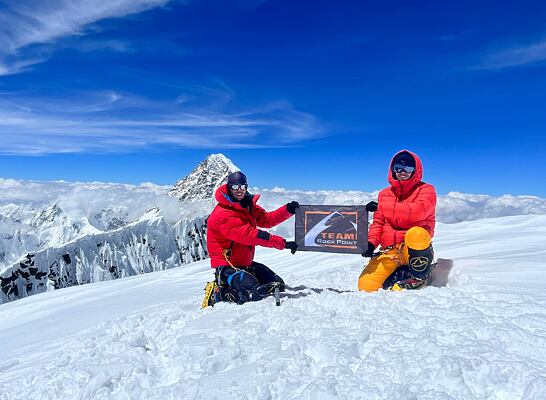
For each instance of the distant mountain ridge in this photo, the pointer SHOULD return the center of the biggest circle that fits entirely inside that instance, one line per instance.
(105, 244)
(55, 250)
(140, 247)
(25, 229)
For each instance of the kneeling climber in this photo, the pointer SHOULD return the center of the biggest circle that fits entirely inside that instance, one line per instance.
(403, 225)
(232, 237)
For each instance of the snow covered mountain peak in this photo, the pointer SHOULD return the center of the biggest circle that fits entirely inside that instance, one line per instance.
(49, 216)
(202, 182)
(150, 214)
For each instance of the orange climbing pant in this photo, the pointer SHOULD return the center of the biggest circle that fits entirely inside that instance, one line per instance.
(382, 266)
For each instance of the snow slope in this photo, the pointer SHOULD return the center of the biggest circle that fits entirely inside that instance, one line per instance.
(144, 337)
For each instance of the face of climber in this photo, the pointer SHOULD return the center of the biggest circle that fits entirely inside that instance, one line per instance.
(238, 191)
(403, 173)
(237, 185)
(403, 166)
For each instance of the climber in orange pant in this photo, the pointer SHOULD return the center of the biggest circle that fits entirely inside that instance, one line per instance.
(403, 225)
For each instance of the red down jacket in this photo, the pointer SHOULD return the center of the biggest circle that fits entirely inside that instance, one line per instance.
(403, 205)
(232, 226)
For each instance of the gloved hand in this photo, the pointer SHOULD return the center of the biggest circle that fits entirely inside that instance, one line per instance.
(371, 206)
(369, 251)
(292, 246)
(291, 207)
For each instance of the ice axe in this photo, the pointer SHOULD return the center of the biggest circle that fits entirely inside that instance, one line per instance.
(277, 295)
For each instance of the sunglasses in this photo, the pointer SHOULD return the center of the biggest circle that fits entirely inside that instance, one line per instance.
(398, 168)
(244, 186)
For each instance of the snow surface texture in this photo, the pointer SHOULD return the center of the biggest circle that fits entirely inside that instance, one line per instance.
(144, 337)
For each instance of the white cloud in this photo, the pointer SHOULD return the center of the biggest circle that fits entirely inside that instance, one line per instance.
(121, 122)
(12, 67)
(515, 56)
(120, 46)
(24, 23)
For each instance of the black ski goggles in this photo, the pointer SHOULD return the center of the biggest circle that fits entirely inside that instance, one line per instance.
(398, 168)
(244, 186)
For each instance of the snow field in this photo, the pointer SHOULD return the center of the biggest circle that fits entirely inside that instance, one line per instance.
(144, 337)
(435, 343)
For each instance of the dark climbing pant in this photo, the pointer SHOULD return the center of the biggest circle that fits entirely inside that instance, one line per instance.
(246, 284)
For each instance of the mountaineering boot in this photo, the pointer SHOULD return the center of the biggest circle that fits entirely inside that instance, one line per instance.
(402, 279)
(399, 275)
(409, 284)
(268, 288)
(210, 299)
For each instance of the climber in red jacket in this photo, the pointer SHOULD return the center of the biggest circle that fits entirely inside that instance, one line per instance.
(403, 224)
(232, 237)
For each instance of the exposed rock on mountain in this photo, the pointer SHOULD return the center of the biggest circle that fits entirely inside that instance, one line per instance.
(141, 247)
(191, 237)
(203, 181)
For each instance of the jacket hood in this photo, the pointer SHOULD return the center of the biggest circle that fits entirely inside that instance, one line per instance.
(222, 197)
(402, 188)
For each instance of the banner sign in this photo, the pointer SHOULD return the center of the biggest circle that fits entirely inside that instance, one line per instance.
(332, 229)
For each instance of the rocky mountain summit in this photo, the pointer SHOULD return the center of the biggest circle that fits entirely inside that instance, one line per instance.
(203, 181)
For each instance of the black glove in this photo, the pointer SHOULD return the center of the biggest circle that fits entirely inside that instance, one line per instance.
(369, 251)
(371, 206)
(292, 246)
(291, 207)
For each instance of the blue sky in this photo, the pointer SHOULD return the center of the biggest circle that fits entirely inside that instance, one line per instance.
(299, 94)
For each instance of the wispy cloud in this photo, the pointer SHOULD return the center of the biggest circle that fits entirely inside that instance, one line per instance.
(119, 46)
(27, 23)
(111, 122)
(514, 56)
